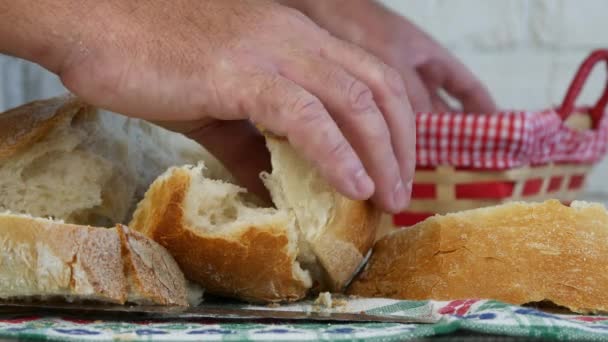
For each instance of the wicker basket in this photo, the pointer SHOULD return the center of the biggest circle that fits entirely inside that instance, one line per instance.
(467, 161)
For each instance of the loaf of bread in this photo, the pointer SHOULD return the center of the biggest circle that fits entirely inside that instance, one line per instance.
(517, 253)
(314, 238)
(43, 259)
(64, 159)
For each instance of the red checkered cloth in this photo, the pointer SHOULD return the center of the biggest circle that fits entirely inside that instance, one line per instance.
(505, 140)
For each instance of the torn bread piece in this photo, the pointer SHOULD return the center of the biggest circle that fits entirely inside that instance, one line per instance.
(43, 259)
(336, 233)
(314, 236)
(219, 240)
(516, 252)
(65, 159)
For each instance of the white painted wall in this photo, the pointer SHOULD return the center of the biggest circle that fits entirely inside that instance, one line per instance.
(525, 50)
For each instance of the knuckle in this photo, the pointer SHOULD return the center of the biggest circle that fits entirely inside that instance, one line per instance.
(262, 91)
(377, 133)
(304, 109)
(339, 149)
(360, 96)
(394, 81)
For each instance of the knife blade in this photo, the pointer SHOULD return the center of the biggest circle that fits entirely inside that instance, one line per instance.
(211, 311)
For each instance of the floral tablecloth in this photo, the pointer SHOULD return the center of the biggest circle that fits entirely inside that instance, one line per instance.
(481, 316)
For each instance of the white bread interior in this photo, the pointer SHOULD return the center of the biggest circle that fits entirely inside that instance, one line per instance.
(50, 260)
(217, 208)
(313, 238)
(220, 240)
(64, 159)
(516, 252)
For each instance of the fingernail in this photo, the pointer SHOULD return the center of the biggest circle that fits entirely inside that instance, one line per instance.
(364, 186)
(399, 196)
(408, 193)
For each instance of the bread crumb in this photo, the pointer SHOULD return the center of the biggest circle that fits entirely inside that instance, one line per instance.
(195, 293)
(273, 305)
(324, 300)
(339, 302)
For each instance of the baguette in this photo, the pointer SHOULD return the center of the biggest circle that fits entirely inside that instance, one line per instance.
(50, 260)
(314, 238)
(64, 159)
(517, 253)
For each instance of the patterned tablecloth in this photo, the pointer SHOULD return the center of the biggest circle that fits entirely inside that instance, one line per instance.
(480, 316)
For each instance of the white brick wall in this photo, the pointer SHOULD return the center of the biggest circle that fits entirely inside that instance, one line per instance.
(526, 51)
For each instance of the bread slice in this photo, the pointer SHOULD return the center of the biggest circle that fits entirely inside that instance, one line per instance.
(43, 259)
(234, 248)
(64, 159)
(517, 253)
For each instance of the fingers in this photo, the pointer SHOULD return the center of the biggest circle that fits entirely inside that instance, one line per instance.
(287, 109)
(433, 87)
(390, 96)
(460, 82)
(351, 104)
(438, 103)
(417, 92)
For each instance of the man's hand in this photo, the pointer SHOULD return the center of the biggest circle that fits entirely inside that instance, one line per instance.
(425, 66)
(201, 61)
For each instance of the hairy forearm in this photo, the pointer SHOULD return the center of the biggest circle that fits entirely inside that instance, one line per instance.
(38, 31)
(51, 32)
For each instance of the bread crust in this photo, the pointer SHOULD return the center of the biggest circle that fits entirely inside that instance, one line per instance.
(44, 259)
(347, 239)
(49, 147)
(152, 274)
(254, 265)
(23, 126)
(517, 253)
(349, 233)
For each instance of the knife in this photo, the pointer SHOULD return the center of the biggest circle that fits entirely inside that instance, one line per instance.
(204, 311)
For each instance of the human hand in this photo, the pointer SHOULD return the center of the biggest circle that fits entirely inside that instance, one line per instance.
(204, 61)
(425, 65)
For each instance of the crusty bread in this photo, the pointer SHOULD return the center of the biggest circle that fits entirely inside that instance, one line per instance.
(386, 226)
(64, 159)
(234, 248)
(151, 272)
(335, 233)
(517, 252)
(221, 241)
(45, 259)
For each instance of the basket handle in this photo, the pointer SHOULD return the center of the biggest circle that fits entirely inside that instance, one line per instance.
(597, 111)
